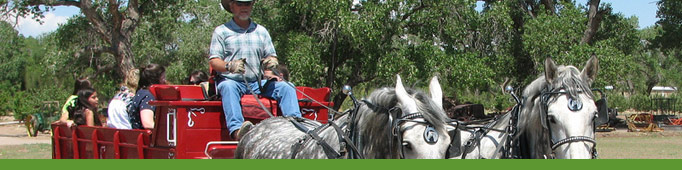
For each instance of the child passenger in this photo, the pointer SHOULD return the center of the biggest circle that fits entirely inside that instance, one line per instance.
(70, 105)
(86, 109)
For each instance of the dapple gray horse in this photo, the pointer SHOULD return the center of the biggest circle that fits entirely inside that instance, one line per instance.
(556, 119)
(389, 123)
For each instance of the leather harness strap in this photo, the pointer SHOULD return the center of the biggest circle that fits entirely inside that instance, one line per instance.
(345, 142)
(328, 150)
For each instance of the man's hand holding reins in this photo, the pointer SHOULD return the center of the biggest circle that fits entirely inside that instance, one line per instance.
(235, 66)
(270, 62)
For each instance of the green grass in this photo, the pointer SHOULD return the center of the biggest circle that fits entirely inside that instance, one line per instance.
(27, 151)
(651, 146)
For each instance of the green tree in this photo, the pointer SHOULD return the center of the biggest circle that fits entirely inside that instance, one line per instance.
(670, 14)
(10, 54)
(13, 61)
(113, 22)
(191, 37)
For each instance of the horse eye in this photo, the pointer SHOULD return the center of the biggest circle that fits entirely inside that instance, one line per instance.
(551, 119)
(407, 145)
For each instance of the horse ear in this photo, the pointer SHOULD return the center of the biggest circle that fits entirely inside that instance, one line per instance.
(550, 70)
(436, 92)
(589, 73)
(404, 98)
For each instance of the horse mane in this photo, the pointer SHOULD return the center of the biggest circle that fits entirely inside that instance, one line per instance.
(374, 125)
(568, 79)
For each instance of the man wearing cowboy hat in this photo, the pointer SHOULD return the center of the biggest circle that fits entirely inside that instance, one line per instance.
(237, 50)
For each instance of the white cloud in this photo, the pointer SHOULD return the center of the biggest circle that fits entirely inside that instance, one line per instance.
(30, 27)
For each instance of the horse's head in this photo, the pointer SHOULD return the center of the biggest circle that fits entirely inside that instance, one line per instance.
(565, 108)
(422, 138)
(413, 121)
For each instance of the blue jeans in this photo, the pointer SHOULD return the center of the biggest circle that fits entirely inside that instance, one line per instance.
(232, 91)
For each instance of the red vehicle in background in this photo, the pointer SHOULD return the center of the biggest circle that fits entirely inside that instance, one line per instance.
(188, 126)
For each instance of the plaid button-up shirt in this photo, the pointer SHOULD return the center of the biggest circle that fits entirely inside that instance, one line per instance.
(231, 42)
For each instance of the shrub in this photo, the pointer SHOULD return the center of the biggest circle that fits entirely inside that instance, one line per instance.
(640, 102)
(618, 101)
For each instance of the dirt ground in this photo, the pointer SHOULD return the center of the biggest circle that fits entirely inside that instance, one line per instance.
(15, 134)
(624, 133)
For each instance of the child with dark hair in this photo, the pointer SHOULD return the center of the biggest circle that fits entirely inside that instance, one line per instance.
(70, 105)
(200, 78)
(196, 78)
(86, 109)
(281, 73)
(141, 113)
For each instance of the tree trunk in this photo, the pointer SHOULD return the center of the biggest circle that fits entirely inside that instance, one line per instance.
(651, 82)
(594, 20)
(338, 100)
(524, 63)
(352, 81)
(550, 6)
(331, 70)
(125, 60)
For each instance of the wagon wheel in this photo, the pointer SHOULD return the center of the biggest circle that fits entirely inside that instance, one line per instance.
(31, 123)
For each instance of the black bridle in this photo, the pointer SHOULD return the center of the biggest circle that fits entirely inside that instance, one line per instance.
(396, 119)
(430, 133)
(601, 117)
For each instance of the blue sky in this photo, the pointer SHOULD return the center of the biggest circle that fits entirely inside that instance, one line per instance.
(645, 10)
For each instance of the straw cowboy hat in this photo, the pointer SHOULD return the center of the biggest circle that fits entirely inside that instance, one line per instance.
(226, 3)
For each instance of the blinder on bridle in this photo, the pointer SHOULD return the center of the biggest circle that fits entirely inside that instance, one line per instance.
(455, 148)
(602, 109)
(600, 118)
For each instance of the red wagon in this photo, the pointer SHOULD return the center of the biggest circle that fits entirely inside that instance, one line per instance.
(187, 127)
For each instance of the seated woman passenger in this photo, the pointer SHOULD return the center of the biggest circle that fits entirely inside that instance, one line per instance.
(141, 113)
(86, 109)
(117, 110)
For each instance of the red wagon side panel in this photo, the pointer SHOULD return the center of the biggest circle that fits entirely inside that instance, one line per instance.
(89, 142)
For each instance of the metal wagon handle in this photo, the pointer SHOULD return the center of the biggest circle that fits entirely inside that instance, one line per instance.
(171, 112)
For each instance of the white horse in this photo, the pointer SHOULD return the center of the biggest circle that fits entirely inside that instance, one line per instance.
(559, 111)
(390, 123)
(556, 119)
